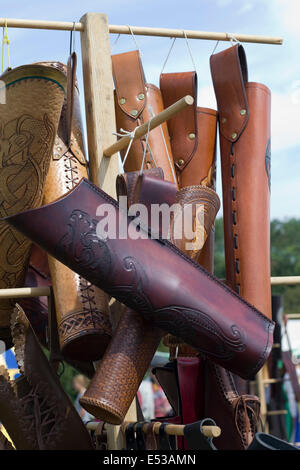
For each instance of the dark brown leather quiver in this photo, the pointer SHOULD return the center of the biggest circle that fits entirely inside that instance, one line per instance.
(82, 309)
(122, 369)
(29, 120)
(136, 102)
(237, 415)
(150, 276)
(34, 409)
(244, 116)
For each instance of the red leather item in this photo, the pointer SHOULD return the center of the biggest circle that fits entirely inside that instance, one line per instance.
(244, 113)
(151, 277)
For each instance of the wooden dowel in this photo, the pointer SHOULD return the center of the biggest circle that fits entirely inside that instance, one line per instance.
(24, 292)
(142, 31)
(155, 122)
(277, 412)
(178, 430)
(293, 316)
(285, 280)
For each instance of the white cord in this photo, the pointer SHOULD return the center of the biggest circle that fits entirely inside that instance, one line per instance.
(131, 135)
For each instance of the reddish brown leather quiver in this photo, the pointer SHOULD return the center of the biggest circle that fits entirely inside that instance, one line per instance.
(183, 299)
(82, 309)
(29, 120)
(136, 102)
(244, 115)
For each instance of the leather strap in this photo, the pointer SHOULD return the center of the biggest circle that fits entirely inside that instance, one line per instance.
(71, 83)
(53, 340)
(164, 439)
(130, 437)
(129, 81)
(230, 74)
(195, 437)
(264, 441)
(140, 438)
(184, 125)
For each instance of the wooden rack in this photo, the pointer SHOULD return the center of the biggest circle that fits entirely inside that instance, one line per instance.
(100, 113)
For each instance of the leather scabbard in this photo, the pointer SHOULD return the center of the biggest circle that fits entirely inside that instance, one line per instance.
(82, 309)
(150, 276)
(135, 103)
(244, 116)
(29, 119)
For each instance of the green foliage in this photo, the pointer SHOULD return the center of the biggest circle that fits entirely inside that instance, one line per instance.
(285, 257)
(66, 380)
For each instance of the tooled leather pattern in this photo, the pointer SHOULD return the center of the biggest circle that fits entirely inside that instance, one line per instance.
(25, 146)
(235, 228)
(225, 346)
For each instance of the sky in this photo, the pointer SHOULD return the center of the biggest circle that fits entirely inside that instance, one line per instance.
(278, 67)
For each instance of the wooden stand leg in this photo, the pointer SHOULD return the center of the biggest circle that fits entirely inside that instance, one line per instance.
(99, 100)
(100, 120)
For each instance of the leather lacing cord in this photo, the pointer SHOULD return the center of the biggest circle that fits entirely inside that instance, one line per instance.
(246, 415)
(44, 414)
(234, 220)
(71, 171)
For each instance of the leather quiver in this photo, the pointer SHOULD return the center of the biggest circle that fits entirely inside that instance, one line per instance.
(237, 415)
(29, 119)
(193, 141)
(150, 276)
(122, 369)
(135, 103)
(34, 409)
(244, 120)
(82, 309)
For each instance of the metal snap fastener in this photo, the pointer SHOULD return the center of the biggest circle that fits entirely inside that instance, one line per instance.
(180, 162)
(243, 112)
(234, 135)
(141, 96)
(192, 136)
(134, 112)
(122, 101)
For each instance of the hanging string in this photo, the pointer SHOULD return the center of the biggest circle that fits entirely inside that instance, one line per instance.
(190, 51)
(134, 39)
(146, 145)
(166, 60)
(115, 41)
(233, 40)
(216, 45)
(5, 41)
(131, 135)
(165, 145)
(72, 38)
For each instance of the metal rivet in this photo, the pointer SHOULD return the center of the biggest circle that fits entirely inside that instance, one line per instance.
(234, 135)
(180, 162)
(56, 155)
(243, 112)
(141, 96)
(134, 112)
(192, 136)
(122, 101)
(59, 148)
(224, 120)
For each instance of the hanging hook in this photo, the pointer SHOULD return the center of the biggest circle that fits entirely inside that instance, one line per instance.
(72, 38)
(5, 41)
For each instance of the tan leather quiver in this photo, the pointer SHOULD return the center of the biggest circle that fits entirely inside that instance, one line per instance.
(29, 120)
(82, 309)
(193, 141)
(136, 102)
(244, 114)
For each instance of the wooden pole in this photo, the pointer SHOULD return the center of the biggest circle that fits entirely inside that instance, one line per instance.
(100, 120)
(140, 30)
(99, 100)
(155, 122)
(285, 280)
(23, 292)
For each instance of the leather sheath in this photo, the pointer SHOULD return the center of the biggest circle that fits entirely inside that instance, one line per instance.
(136, 102)
(29, 120)
(82, 309)
(150, 276)
(237, 415)
(34, 409)
(244, 119)
(134, 342)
